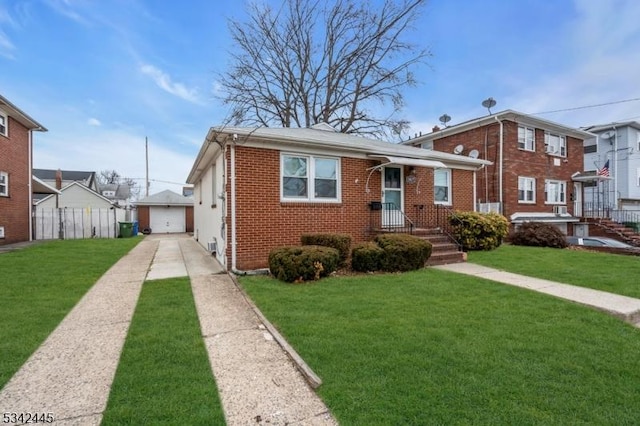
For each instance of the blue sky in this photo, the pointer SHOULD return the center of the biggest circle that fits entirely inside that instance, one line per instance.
(102, 75)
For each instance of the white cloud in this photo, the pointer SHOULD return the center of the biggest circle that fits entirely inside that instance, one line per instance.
(94, 122)
(163, 80)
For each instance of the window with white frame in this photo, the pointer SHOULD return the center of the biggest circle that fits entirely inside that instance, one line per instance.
(555, 192)
(309, 178)
(4, 184)
(526, 189)
(427, 145)
(442, 186)
(3, 124)
(526, 138)
(555, 144)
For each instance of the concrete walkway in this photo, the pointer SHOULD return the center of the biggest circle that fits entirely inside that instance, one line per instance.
(623, 307)
(70, 375)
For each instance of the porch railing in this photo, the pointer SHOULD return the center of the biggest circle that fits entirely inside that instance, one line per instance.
(629, 218)
(387, 217)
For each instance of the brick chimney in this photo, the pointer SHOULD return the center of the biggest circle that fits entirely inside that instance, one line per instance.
(435, 128)
(58, 179)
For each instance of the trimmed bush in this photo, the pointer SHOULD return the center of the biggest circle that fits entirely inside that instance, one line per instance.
(367, 257)
(340, 242)
(538, 234)
(479, 231)
(403, 252)
(305, 263)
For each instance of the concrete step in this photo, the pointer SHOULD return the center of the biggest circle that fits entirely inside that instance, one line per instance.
(446, 257)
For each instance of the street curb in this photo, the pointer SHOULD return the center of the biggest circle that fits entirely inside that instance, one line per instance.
(312, 378)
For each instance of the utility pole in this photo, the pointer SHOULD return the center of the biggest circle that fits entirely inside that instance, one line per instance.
(146, 155)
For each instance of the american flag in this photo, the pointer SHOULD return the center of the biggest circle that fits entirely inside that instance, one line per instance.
(604, 171)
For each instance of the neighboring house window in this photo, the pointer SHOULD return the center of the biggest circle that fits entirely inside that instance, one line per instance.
(555, 192)
(310, 178)
(442, 186)
(427, 145)
(526, 190)
(555, 144)
(526, 138)
(4, 184)
(638, 176)
(109, 193)
(588, 149)
(3, 124)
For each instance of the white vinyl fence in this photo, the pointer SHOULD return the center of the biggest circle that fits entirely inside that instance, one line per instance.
(69, 224)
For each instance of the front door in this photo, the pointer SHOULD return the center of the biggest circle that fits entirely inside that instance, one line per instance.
(392, 197)
(577, 199)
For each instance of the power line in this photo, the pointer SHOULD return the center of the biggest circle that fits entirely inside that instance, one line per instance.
(586, 106)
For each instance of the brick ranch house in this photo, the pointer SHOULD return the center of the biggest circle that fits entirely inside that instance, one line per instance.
(16, 181)
(260, 188)
(535, 165)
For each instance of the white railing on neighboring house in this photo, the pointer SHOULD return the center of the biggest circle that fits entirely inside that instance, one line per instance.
(68, 224)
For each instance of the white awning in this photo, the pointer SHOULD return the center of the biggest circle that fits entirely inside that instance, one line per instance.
(404, 161)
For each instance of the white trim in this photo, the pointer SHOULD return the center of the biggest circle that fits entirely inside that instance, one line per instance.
(449, 189)
(526, 140)
(4, 124)
(310, 179)
(5, 193)
(526, 179)
(563, 191)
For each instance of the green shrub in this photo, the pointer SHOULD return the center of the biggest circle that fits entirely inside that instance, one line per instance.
(340, 242)
(304, 263)
(367, 257)
(479, 231)
(538, 234)
(403, 252)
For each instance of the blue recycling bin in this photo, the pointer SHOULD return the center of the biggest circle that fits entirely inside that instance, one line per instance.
(134, 231)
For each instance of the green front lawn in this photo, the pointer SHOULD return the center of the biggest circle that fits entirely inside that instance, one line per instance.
(614, 273)
(164, 375)
(432, 347)
(40, 284)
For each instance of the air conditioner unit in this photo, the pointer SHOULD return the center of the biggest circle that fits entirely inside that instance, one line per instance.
(212, 247)
(560, 210)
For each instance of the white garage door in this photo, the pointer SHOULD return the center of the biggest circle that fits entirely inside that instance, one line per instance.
(167, 219)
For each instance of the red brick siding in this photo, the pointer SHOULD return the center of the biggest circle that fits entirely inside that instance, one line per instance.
(14, 160)
(516, 162)
(263, 222)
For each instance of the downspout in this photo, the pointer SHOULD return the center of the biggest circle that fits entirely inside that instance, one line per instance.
(500, 164)
(30, 186)
(475, 194)
(233, 219)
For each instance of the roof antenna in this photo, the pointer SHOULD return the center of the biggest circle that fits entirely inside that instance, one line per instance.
(444, 119)
(488, 104)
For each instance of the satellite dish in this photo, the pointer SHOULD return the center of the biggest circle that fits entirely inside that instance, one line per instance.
(444, 119)
(458, 149)
(489, 103)
(474, 153)
(607, 135)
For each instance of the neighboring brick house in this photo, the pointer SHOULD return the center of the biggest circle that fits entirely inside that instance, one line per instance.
(534, 162)
(16, 163)
(260, 188)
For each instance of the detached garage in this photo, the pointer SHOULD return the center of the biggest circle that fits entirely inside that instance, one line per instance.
(165, 212)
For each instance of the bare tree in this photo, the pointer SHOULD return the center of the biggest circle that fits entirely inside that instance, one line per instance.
(112, 177)
(343, 63)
